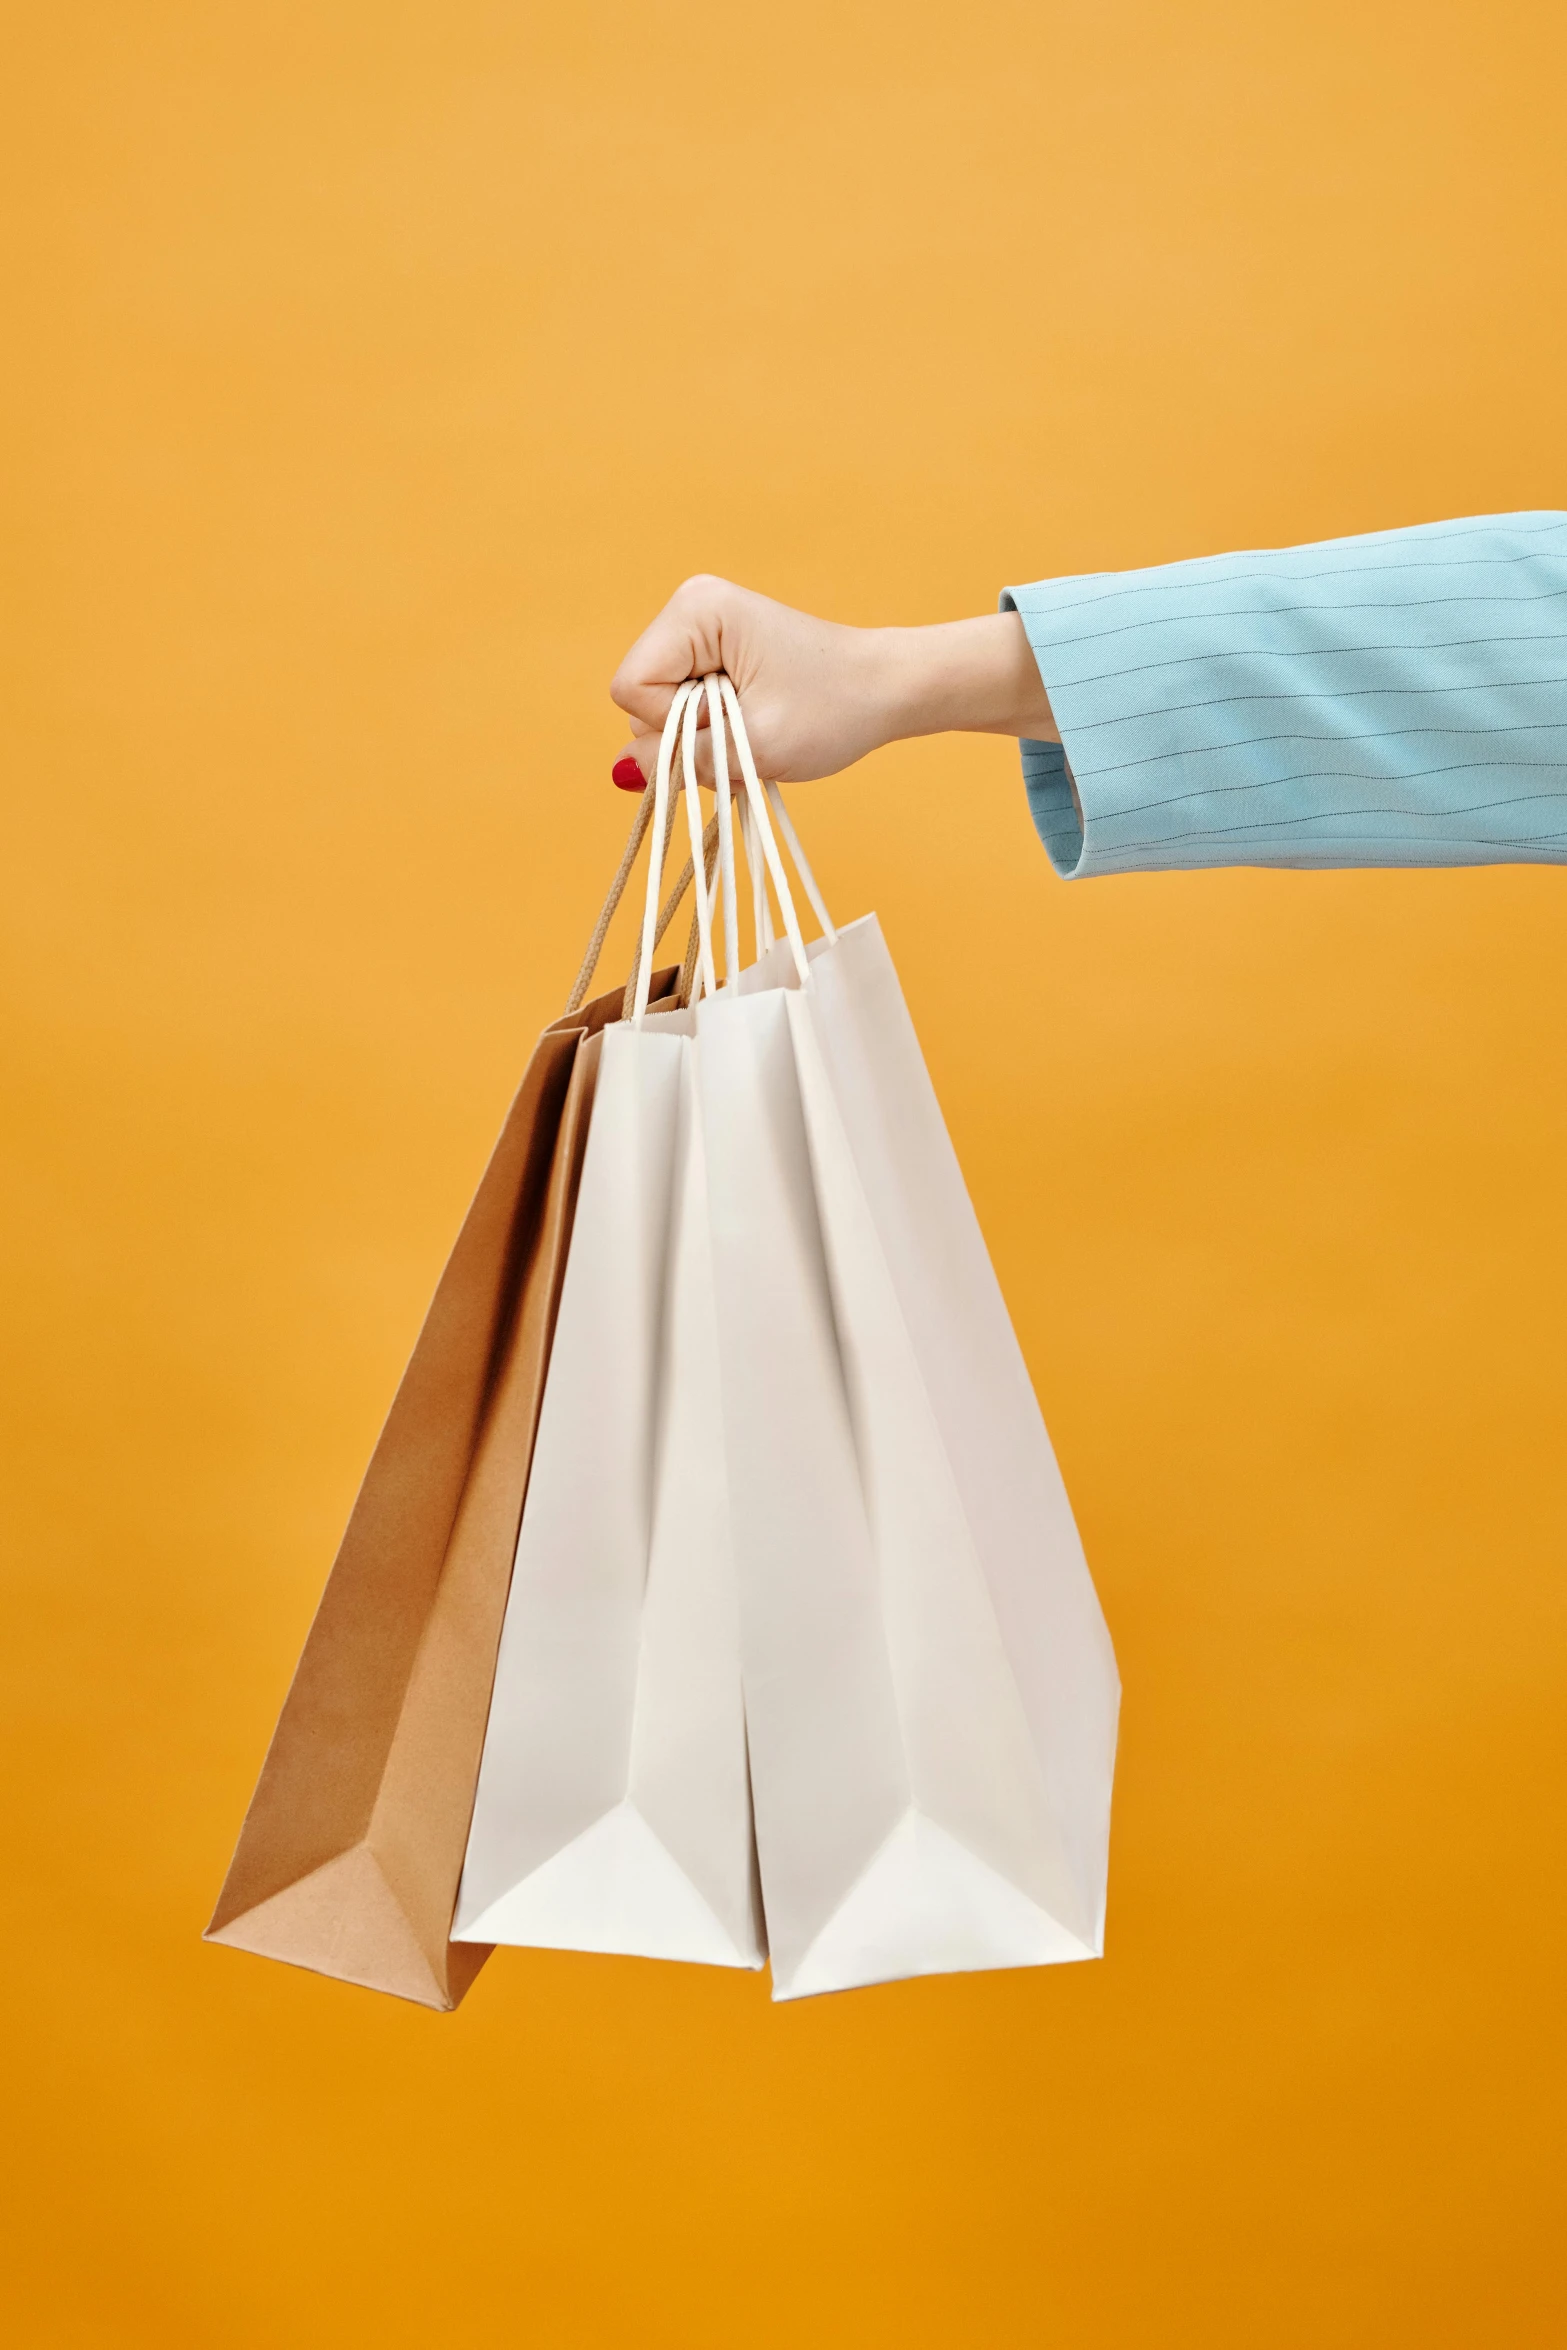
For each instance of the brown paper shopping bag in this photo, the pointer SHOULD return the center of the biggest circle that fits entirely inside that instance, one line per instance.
(351, 1851)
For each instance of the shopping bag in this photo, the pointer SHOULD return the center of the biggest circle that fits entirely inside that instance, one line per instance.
(613, 1803)
(350, 1853)
(931, 1694)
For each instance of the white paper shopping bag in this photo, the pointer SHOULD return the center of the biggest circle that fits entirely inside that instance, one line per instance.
(613, 1806)
(930, 1688)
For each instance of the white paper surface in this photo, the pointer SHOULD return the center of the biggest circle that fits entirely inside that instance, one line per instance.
(930, 1686)
(613, 1805)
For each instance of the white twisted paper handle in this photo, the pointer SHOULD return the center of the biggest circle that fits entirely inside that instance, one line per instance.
(760, 804)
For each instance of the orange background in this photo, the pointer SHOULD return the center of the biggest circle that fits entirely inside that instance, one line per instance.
(373, 374)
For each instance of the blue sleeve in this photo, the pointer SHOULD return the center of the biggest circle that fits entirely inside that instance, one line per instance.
(1399, 699)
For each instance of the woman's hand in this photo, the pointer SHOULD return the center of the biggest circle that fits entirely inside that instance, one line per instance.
(816, 695)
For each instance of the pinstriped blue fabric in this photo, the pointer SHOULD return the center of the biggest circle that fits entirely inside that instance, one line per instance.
(1398, 699)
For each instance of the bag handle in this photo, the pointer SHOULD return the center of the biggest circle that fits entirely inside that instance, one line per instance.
(617, 887)
(757, 809)
(667, 913)
(679, 735)
(643, 971)
(718, 850)
(684, 990)
(761, 903)
(762, 824)
(724, 811)
(802, 863)
(704, 903)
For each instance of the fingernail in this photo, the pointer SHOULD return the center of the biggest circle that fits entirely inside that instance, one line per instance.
(628, 775)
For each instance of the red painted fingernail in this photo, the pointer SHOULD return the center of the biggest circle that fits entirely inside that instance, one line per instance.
(628, 775)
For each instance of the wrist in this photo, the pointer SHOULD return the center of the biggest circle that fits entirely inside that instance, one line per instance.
(960, 677)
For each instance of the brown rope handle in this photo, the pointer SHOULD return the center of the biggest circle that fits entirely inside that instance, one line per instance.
(617, 890)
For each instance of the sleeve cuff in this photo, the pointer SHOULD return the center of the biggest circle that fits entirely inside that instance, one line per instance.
(1051, 805)
(1050, 800)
